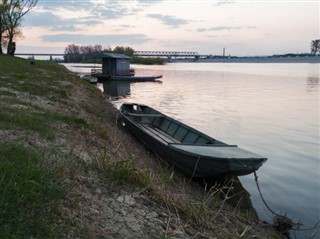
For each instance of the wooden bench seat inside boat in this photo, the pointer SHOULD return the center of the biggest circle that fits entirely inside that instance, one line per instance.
(180, 133)
(144, 115)
(158, 134)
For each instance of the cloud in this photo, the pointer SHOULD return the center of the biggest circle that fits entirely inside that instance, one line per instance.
(123, 27)
(126, 26)
(223, 28)
(117, 39)
(168, 20)
(95, 9)
(114, 9)
(40, 19)
(89, 22)
(58, 15)
(56, 23)
(219, 28)
(110, 13)
(65, 4)
(224, 2)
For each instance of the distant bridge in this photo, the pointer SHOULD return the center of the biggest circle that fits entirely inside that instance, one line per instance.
(168, 54)
(40, 54)
(50, 55)
(32, 55)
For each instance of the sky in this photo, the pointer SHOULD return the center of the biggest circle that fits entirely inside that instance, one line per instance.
(243, 28)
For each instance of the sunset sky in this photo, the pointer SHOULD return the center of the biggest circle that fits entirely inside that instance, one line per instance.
(243, 28)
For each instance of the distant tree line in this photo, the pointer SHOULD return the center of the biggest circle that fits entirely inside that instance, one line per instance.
(11, 15)
(291, 55)
(81, 54)
(90, 54)
(76, 53)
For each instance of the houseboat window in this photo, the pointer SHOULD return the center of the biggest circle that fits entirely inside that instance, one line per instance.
(123, 61)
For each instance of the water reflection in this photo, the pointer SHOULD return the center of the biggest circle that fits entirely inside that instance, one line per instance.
(313, 84)
(116, 89)
(121, 89)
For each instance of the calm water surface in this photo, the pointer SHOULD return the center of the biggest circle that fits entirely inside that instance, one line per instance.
(270, 109)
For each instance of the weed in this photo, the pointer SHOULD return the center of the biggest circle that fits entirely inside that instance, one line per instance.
(166, 180)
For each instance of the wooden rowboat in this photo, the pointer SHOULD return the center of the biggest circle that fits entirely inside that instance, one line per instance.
(192, 152)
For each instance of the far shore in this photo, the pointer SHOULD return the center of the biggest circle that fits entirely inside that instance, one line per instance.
(297, 59)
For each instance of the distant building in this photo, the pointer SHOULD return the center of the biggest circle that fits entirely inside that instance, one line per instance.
(115, 64)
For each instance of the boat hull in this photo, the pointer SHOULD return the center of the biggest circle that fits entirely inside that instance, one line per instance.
(187, 159)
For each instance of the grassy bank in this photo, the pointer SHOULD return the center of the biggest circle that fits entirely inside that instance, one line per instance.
(66, 164)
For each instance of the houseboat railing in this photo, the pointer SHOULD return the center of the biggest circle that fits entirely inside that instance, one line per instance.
(96, 71)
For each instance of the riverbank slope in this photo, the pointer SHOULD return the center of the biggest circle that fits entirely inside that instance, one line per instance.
(69, 170)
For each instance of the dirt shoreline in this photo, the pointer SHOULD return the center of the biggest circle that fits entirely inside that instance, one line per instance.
(114, 187)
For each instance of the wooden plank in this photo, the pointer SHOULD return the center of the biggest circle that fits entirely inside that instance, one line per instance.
(144, 115)
(146, 129)
(169, 137)
(158, 134)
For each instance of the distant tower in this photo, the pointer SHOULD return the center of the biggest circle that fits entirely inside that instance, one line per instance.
(224, 52)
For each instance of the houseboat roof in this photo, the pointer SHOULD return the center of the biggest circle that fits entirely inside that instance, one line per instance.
(115, 56)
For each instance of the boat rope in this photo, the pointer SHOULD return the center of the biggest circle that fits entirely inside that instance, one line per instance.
(281, 221)
(261, 196)
(194, 169)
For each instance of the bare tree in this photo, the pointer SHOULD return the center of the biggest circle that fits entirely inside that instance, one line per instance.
(72, 49)
(13, 13)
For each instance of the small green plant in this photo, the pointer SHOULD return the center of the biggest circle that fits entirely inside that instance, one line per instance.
(166, 180)
(122, 170)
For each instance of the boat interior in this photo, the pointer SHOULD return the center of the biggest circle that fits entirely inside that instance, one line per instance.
(166, 129)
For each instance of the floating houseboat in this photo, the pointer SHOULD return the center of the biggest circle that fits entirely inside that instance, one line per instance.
(117, 67)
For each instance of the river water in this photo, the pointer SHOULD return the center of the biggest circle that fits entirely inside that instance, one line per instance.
(270, 109)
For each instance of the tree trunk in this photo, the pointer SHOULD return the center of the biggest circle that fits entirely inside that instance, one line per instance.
(11, 49)
(11, 44)
(1, 34)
